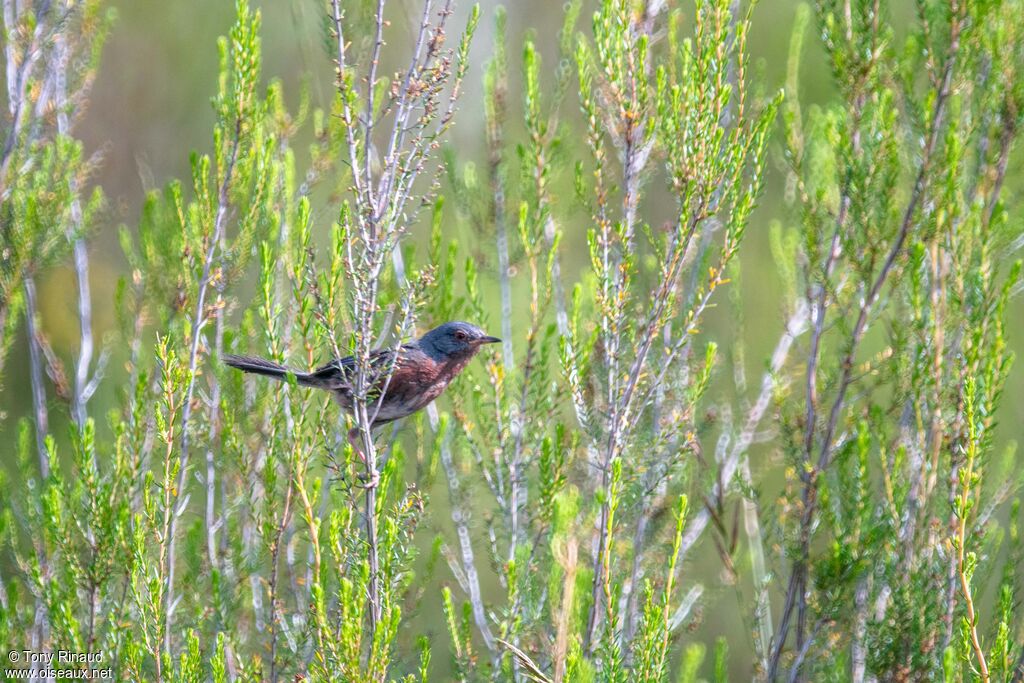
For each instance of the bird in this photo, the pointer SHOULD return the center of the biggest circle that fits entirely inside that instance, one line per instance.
(422, 370)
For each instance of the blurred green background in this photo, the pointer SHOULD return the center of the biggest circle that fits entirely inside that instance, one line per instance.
(150, 108)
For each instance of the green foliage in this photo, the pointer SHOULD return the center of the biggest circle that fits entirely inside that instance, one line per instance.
(42, 166)
(218, 527)
(897, 189)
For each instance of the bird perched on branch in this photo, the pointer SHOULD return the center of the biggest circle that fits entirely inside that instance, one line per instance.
(409, 376)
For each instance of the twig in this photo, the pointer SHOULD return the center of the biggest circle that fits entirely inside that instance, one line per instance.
(459, 518)
(82, 388)
(35, 368)
(795, 326)
(42, 619)
(962, 509)
(19, 75)
(199, 320)
(379, 219)
(797, 584)
(275, 550)
(531, 669)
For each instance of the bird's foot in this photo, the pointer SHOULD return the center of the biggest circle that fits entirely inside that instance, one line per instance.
(356, 443)
(369, 480)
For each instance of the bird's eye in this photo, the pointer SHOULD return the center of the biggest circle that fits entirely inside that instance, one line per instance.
(461, 336)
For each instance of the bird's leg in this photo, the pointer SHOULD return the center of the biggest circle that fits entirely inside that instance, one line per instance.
(373, 478)
(353, 438)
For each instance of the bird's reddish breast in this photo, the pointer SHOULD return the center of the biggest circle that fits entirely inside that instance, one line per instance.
(420, 382)
(420, 371)
(413, 379)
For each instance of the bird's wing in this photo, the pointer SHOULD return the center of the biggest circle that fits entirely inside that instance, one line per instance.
(338, 374)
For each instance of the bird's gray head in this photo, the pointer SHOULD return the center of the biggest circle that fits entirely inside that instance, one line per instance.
(455, 340)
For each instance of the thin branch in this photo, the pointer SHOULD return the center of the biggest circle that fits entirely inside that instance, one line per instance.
(798, 576)
(35, 368)
(795, 326)
(19, 75)
(199, 320)
(461, 521)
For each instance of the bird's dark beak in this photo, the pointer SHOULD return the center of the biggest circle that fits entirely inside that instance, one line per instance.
(489, 340)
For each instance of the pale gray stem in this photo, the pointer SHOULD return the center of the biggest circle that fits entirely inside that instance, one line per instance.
(212, 523)
(402, 107)
(795, 326)
(80, 397)
(461, 521)
(685, 607)
(371, 94)
(85, 348)
(504, 278)
(350, 124)
(557, 286)
(370, 512)
(620, 403)
(19, 76)
(761, 578)
(35, 369)
(42, 622)
(198, 322)
(858, 651)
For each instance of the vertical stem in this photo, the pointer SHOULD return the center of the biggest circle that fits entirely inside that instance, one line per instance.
(759, 571)
(275, 550)
(612, 333)
(35, 368)
(370, 512)
(374, 228)
(85, 348)
(80, 397)
(214, 441)
(42, 620)
(501, 229)
(371, 93)
(858, 648)
(19, 74)
(198, 322)
(962, 510)
(461, 522)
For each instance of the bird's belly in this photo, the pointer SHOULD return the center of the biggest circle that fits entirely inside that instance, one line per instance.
(430, 394)
(401, 404)
(404, 396)
(392, 410)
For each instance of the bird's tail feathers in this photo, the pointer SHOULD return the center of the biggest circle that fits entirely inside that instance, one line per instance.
(267, 368)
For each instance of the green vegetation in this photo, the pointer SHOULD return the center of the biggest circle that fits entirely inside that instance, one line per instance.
(543, 521)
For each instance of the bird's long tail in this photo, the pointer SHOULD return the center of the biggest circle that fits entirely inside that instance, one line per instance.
(267, 368)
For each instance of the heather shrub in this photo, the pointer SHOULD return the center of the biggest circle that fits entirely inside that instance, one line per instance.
(589, 492)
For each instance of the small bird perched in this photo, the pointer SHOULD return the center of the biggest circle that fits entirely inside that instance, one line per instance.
(422, 370)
